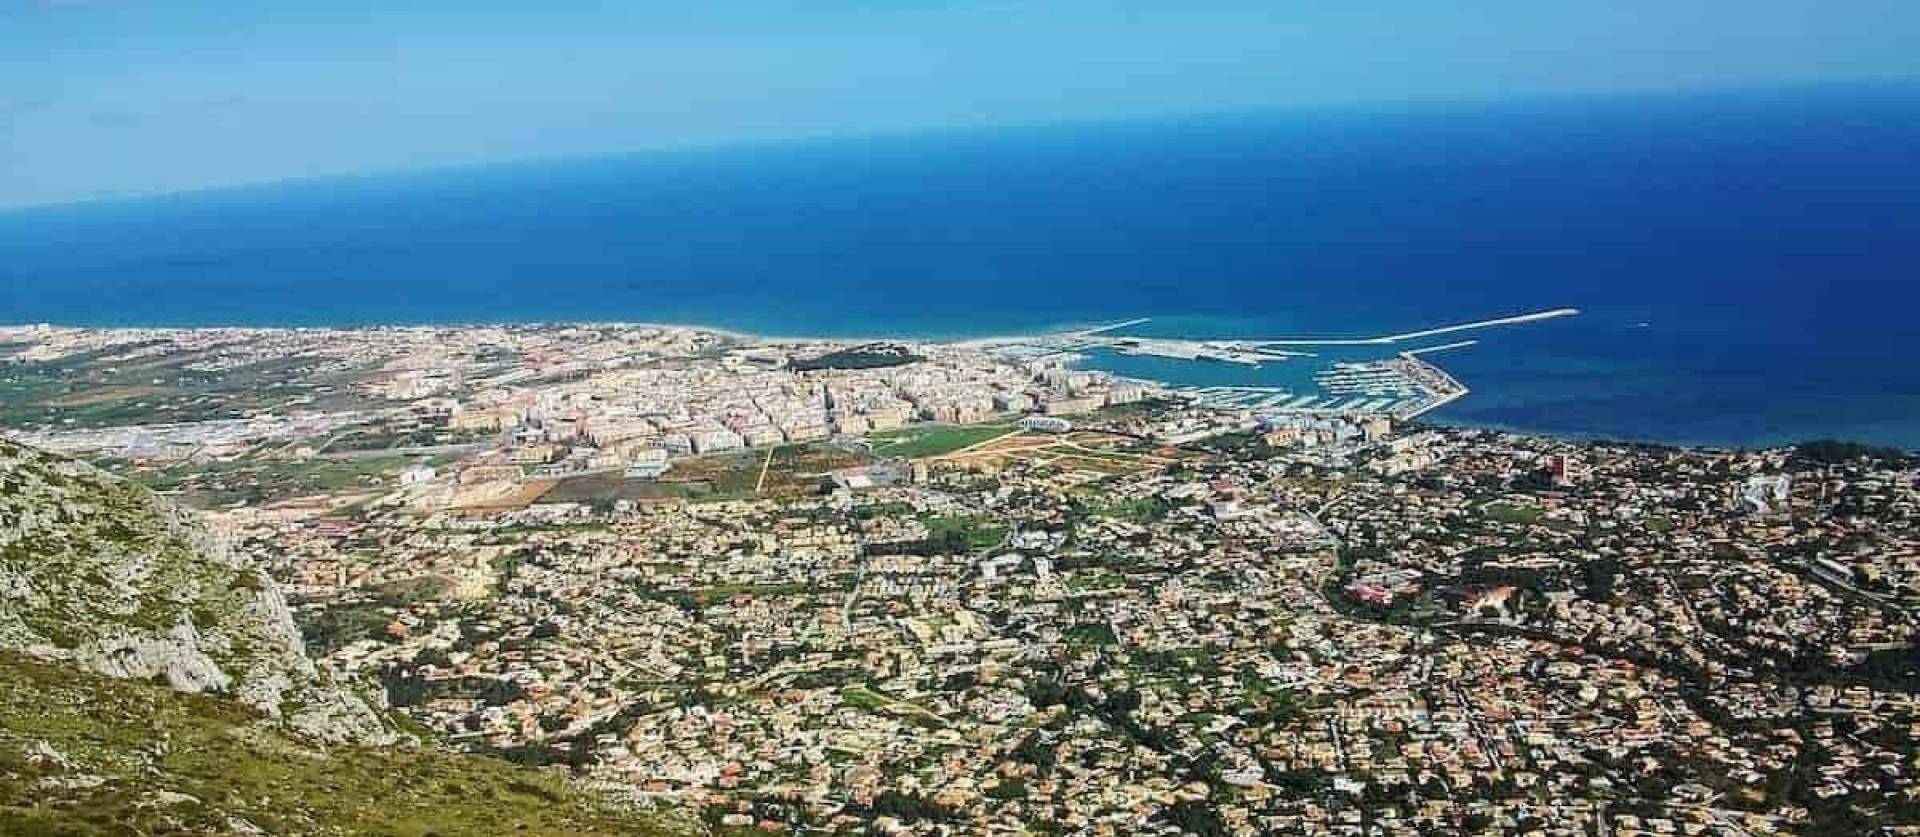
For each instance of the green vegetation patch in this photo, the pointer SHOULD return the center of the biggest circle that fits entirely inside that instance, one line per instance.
(1096, 581)
(94, 389)
(864, 698)
(871, 356)
(1091, 634)
(223, 766)
(1834, 452)
(798, 468)
(613, 486)
(1149, 408)
(923, 441)
(964, 532)
(253, 481)
(1515, 513)
(331, 629)
(1132, 509)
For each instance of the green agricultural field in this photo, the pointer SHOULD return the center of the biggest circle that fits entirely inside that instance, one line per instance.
(934, 440)
(92, 390)
(257, 480)
(799, 468)
(612, 486)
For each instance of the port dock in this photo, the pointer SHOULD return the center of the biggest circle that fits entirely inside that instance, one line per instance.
(1404, 386)
(1390, 339)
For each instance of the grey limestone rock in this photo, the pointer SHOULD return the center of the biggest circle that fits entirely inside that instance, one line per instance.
(103, 574)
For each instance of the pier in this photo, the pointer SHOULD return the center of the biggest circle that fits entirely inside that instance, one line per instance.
(1390, 339)
(1403, 387)
(1442, 389)
(1442, 347)
(1113, 326)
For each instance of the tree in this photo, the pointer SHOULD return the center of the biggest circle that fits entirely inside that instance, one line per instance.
(1197, 818)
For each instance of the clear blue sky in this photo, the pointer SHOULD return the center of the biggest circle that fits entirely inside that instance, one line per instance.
(107, 97)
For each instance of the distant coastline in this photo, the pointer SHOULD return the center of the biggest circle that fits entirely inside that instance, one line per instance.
(1755, 292)
(1089, 360)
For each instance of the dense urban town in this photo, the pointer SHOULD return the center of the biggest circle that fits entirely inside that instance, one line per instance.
(891, 587)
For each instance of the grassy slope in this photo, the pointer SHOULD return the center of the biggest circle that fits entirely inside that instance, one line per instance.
(146, 743)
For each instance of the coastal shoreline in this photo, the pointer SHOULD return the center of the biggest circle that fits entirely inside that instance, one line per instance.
(1435, 414)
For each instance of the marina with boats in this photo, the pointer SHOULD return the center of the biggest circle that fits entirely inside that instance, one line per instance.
(1402, 386)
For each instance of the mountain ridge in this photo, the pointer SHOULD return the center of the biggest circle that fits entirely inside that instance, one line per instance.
(101, 574)
(152, 681)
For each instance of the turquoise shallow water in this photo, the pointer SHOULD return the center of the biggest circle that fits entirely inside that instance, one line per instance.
(1746, 262)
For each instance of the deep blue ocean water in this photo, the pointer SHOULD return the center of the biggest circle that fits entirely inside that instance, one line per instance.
(1746, 261)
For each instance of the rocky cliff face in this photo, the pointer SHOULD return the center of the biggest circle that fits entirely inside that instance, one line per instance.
(99, 573)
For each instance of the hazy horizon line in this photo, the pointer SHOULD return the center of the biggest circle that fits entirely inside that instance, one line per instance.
(1357, 107)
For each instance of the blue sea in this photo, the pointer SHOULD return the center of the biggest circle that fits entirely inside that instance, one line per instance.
(1748, 263)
